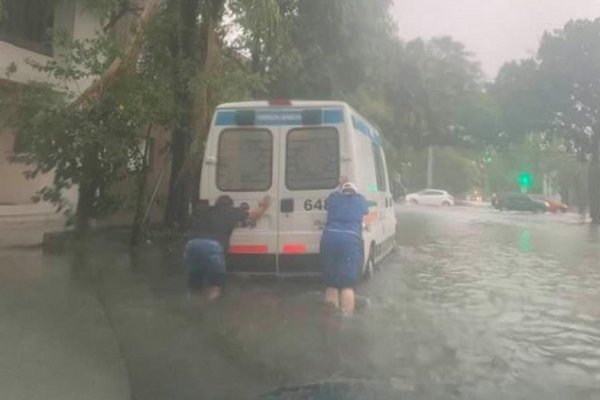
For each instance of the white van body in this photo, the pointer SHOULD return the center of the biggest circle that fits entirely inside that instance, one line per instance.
(294, 151)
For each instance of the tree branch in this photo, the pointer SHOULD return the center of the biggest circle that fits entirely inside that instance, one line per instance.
(117, 17)
(120, 64)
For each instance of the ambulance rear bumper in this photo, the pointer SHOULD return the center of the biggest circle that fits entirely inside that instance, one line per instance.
(271, 264)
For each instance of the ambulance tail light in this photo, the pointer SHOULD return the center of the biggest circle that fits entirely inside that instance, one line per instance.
(294, 248)
(249, 249)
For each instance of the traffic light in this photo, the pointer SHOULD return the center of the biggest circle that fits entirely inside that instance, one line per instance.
(525, 180)
(487, 158)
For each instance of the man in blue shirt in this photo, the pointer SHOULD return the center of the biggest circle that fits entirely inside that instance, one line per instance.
(342, 246)
(212, 227)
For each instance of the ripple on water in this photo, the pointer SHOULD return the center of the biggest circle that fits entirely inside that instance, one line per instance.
(506, 312)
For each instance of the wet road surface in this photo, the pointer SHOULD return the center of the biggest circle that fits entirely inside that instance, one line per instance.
(477, 305)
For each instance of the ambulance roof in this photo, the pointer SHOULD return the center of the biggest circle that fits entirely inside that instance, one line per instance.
(283, 103)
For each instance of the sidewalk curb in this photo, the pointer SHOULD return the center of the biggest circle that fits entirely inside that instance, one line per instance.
(28, 210)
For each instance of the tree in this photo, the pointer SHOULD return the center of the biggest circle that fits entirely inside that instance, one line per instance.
(337, 42)
(570, 71)
(90, 139)
(201, 91)
(519, 94)
(263, 46)
(419, 94)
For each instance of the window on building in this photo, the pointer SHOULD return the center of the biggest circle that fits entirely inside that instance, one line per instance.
(28, 24)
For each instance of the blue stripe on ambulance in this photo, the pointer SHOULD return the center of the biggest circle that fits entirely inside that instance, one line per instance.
(225, 118)
(277, 117)
(365, 129)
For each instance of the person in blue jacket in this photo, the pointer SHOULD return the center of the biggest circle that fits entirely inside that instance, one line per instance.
(342, 246)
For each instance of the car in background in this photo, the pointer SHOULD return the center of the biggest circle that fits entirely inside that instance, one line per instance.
(431, 197)
(520, 202)
(554, 206)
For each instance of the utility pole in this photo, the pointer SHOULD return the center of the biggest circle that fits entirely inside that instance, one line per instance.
(594, 178)
(430, 167)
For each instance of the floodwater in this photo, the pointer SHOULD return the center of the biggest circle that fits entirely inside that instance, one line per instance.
(476, 305)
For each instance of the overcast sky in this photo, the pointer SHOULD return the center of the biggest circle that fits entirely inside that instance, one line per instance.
(494, 30)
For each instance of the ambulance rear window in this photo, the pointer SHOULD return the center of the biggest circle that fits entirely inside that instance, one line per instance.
(244, 160)
(312, 159)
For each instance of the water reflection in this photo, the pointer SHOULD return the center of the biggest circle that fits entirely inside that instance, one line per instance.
(476, 307)
(479, 305)
(525, 240)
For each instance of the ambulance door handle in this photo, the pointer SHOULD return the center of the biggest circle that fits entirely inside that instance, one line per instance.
(287, 205)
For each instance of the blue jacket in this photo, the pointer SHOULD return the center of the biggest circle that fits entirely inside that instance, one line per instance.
(345, 212)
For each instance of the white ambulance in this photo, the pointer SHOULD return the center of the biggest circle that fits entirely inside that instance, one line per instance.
(295, 151)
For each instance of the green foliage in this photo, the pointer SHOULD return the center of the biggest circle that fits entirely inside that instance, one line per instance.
(433, 94)
(558, 92)
(418, 93)
(258, 48)
(518, 93)
(570, 70)
(524, 164)
(337, 43)
(95, 146)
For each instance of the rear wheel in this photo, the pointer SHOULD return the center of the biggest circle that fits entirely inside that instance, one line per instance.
(369, 268)
(446, 203)
(413, 201)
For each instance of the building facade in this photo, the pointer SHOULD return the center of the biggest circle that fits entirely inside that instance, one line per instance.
(27, 31)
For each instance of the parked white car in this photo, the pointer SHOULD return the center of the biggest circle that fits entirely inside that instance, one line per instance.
(431, 197)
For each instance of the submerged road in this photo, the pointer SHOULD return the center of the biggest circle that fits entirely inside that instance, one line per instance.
(477, 305)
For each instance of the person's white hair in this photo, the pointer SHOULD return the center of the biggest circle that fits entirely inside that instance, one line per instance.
(349, 187)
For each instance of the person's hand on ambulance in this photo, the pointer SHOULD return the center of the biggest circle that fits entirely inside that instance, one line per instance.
(265, 202)
(263, 206)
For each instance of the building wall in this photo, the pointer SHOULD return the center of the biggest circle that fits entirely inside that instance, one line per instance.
(14, 187)
(70, 18)
(157, 180)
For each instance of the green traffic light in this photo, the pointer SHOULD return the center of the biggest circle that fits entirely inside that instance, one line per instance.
(526, 180)
(487, 158)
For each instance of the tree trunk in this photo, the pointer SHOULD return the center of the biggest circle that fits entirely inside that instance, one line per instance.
(594, 178)
(176, 200)
(206, 98)
(137, 229)
(185, 50)
(85, 205)
(88, 187)
(118, 67)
